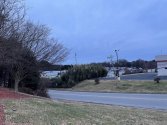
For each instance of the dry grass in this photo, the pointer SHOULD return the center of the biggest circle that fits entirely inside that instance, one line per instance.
(122, 86)
(45, 112)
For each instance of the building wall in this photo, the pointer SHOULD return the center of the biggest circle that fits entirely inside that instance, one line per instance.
(162, 72)
(52, 74)
(162, 68)
(161, 65)
(151, 70)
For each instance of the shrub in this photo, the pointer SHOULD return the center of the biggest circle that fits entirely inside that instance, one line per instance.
(42, 89)
(157, 79)
(97, 81)
(26, 90)
(31, 80)
(77, 74)
(47, 81)
(56, 83)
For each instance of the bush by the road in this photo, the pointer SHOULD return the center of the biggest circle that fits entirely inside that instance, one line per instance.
(79, 73)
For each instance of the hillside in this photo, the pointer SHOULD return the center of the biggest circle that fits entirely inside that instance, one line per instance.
(122, 86)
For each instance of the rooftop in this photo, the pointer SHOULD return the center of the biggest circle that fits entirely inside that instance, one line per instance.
(161, 58)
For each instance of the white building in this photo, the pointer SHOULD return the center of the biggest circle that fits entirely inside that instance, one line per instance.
(161, 65)
(52, 74)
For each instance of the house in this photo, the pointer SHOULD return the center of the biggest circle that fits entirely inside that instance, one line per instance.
(161, 65)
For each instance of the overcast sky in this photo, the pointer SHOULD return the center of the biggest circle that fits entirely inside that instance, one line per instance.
(95, 28)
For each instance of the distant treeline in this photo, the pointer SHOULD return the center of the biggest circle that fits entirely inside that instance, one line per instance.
(46, 66)
(138, 64)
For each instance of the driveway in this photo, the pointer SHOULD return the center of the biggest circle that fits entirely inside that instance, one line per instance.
(155, 101)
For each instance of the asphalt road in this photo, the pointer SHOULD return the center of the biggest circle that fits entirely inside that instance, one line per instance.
(153, 101)
(139, 76)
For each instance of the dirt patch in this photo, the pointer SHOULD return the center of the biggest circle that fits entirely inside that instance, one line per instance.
(2, 116)
(10, 94)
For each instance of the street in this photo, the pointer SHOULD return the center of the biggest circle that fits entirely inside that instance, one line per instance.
(153, 101)
(138, 76)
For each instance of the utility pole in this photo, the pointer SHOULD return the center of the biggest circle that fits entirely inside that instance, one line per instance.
(76, 58)
(111, 64)
(110, 60)
(117, 70)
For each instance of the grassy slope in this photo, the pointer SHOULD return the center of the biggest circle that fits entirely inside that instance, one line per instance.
(123, 86)
(44, 112)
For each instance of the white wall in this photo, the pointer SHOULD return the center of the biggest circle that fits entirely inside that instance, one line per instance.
(52, 74)
(151, 70)
(162, 71)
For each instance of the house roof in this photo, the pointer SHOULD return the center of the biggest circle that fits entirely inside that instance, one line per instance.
(161, 58)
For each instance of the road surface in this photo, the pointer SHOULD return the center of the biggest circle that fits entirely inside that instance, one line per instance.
(139, 76)
(153, 101)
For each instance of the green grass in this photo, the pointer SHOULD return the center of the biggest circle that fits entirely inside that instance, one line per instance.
(122, 86)
(45, 112)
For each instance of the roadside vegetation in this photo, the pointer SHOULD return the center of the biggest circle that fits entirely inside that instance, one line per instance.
(34, 111)
(122, 86)
(77, 74)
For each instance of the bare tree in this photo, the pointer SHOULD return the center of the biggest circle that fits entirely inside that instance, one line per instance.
(12, 17)
(20, 39)
(26, 65)
(36, 38)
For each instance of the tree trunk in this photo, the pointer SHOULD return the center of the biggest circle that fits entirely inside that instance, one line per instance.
(16, 87)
